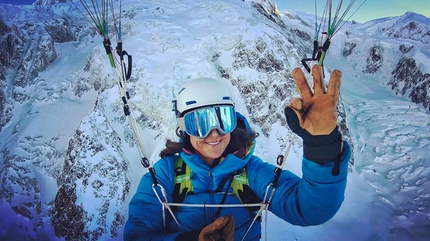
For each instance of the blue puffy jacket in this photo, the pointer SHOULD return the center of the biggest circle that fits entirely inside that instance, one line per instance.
(310, 200)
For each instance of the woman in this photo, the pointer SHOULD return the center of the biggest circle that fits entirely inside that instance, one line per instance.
(216, 141)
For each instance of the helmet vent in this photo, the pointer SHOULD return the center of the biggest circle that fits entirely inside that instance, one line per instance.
(226, 98)
(190, 102)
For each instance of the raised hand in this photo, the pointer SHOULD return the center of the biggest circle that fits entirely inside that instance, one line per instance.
(316, 112)
(313, 116)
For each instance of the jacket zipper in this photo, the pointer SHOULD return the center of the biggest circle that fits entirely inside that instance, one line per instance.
(211, 197)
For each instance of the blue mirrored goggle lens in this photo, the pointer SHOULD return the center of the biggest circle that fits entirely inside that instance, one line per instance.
(201, 122)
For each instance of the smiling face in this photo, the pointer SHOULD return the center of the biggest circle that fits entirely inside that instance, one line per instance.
(211, 147)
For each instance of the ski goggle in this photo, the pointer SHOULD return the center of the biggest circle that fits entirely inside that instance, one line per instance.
(200, 122)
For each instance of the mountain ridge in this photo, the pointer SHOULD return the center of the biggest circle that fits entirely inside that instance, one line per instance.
(89, 153)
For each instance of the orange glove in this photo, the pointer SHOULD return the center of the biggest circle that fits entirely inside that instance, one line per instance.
(314, 118)
(222, 229)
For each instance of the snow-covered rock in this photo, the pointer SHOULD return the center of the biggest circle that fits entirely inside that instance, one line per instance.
(69, 160)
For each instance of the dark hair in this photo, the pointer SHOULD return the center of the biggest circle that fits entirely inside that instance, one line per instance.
(240, 138)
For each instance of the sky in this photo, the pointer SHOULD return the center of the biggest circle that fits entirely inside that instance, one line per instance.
(370, 10)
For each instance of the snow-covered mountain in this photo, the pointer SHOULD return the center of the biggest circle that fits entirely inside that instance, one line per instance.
(69, 161)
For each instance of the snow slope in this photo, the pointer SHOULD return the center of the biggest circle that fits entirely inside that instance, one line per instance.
(69, 164)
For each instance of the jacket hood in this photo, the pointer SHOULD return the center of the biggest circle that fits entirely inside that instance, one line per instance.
(232, 162)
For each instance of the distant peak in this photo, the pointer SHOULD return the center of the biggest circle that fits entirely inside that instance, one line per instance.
(412, 16)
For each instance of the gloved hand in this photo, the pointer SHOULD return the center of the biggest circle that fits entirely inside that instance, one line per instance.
(222, 229)
(313, 117)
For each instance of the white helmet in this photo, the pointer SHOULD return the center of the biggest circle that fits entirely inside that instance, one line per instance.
(202, 92)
